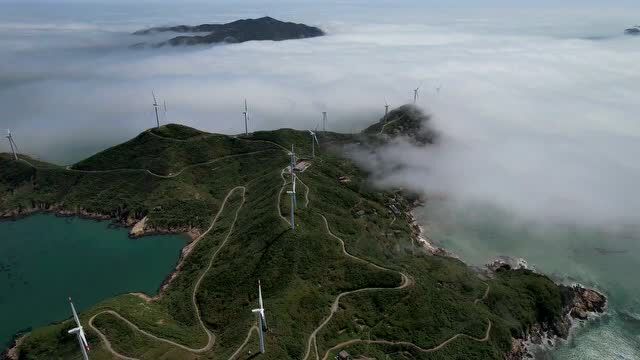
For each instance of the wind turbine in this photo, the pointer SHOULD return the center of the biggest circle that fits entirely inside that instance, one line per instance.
(292, 192)
(261, 319)
(324, 121)
(313, 139)
(415, 95)
(14, 147)
(246, 116)
(155, 107)
(82, 339)
(386, 108)
(439, 88)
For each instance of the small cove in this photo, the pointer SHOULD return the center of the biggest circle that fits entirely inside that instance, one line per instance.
(44, 259)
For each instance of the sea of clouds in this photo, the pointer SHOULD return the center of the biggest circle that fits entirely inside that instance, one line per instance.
(538, 108)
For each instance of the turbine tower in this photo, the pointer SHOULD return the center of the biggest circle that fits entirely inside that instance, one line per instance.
(415, 95)
(246, 116)
(386, 108)
(324, 121)
(314, 141)
(79, 331)
(292, 192)
(155, 108)
(14, 147)
(261, 319)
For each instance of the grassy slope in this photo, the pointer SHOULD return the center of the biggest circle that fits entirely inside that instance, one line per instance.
(301, 272)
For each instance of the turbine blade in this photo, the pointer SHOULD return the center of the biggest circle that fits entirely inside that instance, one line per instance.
(84, 340)
(75, 315)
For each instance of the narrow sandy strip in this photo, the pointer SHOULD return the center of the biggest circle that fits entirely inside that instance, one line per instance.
(408, 344)
(406, 281)
(484, 297)
(284, 183)
(210, 335)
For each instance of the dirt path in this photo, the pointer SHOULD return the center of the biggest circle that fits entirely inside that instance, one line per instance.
(170, 176)
(408, 344)
(210, 335)
(246, 341)
(406, 281)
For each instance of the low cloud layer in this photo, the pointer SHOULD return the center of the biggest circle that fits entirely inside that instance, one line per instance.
(535, 118)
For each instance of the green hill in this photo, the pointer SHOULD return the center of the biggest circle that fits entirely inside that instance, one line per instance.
(400, 300)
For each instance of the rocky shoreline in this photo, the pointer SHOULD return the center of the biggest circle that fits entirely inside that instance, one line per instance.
(581, 304)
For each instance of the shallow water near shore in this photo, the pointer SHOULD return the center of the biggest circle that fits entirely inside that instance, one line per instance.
(607, 260)
(44, 259)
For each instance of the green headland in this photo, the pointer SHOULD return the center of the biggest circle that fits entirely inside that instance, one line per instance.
(352, 276)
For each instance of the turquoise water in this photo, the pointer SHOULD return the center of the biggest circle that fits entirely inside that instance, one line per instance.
(45, 259)
(607, 260)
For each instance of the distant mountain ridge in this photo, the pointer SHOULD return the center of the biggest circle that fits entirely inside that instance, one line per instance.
(264, 28)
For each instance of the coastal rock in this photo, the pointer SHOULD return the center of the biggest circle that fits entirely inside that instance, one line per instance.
(138, 229)
(584, 302)
(508, 263)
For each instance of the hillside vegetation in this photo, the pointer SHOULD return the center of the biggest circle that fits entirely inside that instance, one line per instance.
(395, 298)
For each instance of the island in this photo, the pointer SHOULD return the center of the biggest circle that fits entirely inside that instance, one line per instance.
(633, 31)
(353, 275)
(264, 28)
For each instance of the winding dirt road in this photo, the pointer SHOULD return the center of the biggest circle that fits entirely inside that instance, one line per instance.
(406, 281)
(210, 335)
(408, 344)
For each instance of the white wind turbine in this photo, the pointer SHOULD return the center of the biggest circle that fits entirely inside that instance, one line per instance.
(261, 318)
(292, 192)
(155, 108)
(79, 331)
(415, 95)
(14, 147)
(314, 141)
(246, 116)
(386, 108)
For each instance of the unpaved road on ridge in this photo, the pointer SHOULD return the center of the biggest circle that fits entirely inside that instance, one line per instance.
(210, 335)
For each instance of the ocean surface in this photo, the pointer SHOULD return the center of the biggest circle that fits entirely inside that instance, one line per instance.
(605, 260)
(45, 259)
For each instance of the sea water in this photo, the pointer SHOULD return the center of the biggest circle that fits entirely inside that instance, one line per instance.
(44, 259)
(605, 259)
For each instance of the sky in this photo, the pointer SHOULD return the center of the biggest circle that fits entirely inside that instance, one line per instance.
(538, 107)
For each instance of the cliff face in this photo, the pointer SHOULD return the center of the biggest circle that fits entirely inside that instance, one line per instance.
(265, 28)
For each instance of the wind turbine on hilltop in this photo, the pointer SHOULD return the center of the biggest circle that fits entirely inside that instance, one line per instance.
(261, 318)
(292, 192)
(14, 147)
(386, 108)
(415, 95)
(155, 108)
(314, 141)
(79, 331)
(246, 116)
